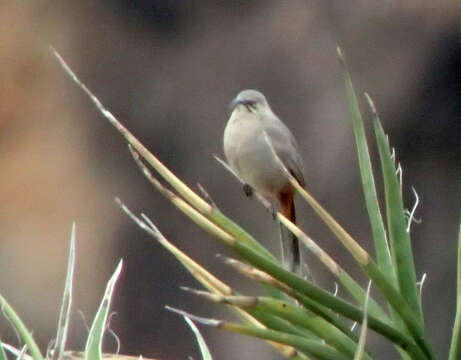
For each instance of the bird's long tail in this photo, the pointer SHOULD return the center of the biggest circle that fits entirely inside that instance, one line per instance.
(291, 256)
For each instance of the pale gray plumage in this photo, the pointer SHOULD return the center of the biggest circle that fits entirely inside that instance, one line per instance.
(248, 153)
(245, 146)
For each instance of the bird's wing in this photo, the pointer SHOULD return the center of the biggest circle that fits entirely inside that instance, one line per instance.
(286, 148)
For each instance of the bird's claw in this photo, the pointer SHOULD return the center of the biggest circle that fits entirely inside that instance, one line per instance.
(248, 190)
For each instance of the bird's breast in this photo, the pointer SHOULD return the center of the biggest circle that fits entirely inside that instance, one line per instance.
(249, 154)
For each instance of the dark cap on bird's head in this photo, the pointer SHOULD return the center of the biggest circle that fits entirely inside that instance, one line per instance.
(249, 98)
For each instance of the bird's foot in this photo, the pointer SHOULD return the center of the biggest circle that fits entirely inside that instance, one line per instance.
(248, 190)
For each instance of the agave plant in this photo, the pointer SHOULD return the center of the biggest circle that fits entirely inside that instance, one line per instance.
(294, 315)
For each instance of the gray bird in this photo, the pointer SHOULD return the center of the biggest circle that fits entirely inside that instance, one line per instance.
(251, 123)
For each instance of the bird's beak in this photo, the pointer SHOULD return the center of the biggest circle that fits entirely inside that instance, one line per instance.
(233, 104)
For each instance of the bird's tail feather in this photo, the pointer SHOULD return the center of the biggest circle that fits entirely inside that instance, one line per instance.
(291, 258)
(291, 254)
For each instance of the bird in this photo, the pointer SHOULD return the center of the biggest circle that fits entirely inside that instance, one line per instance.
(251, 136)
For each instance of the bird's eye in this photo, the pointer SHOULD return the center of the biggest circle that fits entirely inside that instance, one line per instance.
(250, 105)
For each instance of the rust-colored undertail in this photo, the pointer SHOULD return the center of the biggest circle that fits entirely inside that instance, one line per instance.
(291, 256)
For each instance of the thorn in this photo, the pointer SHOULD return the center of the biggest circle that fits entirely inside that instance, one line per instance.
(399, 173)
(22, 354)
(371, 104)
(336, 289)
(354, 325)
(201, 320)
(112, 332)
(186, 288)
(393, 155)
(150, 223)
(132, 216)
(421, 284)
(204, 294)
(412, 213)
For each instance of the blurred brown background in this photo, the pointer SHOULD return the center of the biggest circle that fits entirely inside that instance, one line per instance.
(168, 70)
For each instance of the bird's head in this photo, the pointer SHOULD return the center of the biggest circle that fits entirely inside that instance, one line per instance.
(251, 100)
